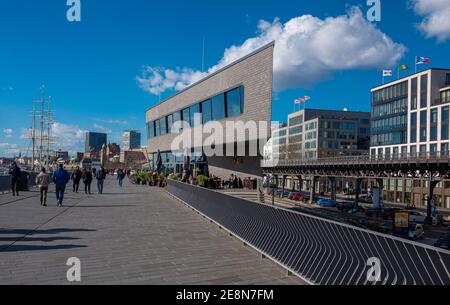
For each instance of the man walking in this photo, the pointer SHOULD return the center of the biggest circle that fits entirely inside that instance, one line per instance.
(60, 177)
(76, 178)
(101, 176)
(43, 180)
(87, 180)
(120, 176)
(15, 173)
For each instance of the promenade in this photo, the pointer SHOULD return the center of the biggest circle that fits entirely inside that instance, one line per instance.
(134, 235)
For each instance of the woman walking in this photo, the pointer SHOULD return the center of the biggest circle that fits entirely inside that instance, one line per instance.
(87, 180)
(43, 180)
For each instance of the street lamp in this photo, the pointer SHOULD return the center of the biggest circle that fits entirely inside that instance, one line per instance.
(273, 187)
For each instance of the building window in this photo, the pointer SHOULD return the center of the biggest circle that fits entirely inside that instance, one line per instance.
(296, 120)
(423, 126)
(169, 123)
(157, 128)
(424, 91)
(218, 107)
(413, 137)
(413, 151)
(186, 113)
(296, 130)
(206, 111)
(444, 149)
(444, 123)
(177, 120)
(423, 150)
(234, 102)
(163, 126)
(433, 149)
(195, 112)
(433, 124)
(445, 96)
(151, 129)
(414, 93)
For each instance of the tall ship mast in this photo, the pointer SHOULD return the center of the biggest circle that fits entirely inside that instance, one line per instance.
(41, 135)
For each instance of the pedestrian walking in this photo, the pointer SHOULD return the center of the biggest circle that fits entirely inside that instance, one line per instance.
(120, 176)
(76, 178)
(87, 180)
(15, 173)
(101, 176)
(42, 181)
(60, 177)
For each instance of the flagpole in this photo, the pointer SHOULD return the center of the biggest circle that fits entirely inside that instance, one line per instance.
(415, 65)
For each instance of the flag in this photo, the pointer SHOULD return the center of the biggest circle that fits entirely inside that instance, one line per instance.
(422, 60)
(387, 73)
(402, 67)
(302, 100)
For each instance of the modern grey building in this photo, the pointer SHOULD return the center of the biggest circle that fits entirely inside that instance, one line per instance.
(239, 92)
(316, 133)
(410, 118)
(95, 141)
(131, 140)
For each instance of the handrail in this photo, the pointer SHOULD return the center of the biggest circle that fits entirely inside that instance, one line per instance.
(428, 157)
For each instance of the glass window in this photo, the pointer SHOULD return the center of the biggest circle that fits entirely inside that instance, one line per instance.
(195, 110)
(206, 111)
(444, 149)
(177, 120)
(151, 129)
(157, 129)
(433, 133)
(414, 94)
(218, 107)
(424, 91)
(234, 102)
(169, 123)
(444, 123)
(434, 116)
(186, 118)
(163, 126)
(296, 120)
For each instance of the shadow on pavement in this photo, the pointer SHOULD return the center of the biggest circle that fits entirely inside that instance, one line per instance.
(21, 248)
(43, 232)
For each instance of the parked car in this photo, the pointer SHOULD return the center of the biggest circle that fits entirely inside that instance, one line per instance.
(443, 242)
(292, 194)
(417, 217)
(345, 206)
(417, 233)
(297, 197)
(326, 203)
(306, 197)
(365, 199)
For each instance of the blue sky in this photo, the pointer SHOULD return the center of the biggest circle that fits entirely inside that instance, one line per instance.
(90, 68)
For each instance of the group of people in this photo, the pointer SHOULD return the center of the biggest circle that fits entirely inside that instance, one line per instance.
(61, 178)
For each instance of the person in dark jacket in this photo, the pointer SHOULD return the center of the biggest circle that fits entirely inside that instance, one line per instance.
(60, 177)
(101, 176)
(15, 174)
(87, 180)
(76, 178)
(120, 176)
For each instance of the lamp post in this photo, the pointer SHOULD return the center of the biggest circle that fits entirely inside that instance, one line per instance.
(273, 186)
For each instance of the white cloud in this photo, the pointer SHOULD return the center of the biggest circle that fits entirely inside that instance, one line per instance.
(9, 149)
(111, 121)
(101, 128)
(8, 133)
(68, 137)
(436, 15)
(308, 50)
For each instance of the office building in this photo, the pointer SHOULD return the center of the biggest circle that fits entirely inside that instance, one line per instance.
(131, 140)
(95, 141)
(410, 118)
(315, 133)
(239, 92)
